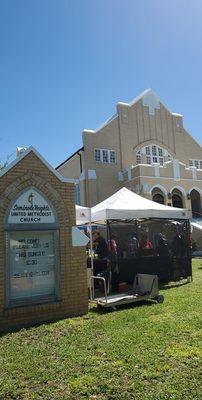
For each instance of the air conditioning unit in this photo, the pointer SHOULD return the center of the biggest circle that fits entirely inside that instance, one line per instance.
(20, 150)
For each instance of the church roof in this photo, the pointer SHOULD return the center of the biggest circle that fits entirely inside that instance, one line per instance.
(24, 154)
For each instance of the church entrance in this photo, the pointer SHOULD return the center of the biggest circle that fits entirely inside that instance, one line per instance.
(177, 201)
(195, 204)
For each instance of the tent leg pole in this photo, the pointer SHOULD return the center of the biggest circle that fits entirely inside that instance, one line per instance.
(92, 291)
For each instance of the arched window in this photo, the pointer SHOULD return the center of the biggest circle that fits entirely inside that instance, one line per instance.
(32, 243)
(177, 201)
(177, 198)
(158, 198)
(158, 195)
(195, 204)
(152, 154)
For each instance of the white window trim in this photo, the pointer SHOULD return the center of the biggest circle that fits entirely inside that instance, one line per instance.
(101, 156)
(193, 163)
(110, 157)
(102, 151)
(164, 155)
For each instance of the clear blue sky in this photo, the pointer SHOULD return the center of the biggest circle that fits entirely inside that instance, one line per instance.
(64, 64)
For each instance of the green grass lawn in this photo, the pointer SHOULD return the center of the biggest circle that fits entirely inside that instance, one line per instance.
(148, 351)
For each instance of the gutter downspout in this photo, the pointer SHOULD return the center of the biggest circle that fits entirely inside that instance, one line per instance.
(81, 170)
(80, 160)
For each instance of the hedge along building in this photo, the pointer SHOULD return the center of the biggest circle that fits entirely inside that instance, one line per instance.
(144, 147)
(42, 276)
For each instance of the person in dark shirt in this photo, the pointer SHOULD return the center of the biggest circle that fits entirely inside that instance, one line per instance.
(100, 245)
(164, 262)
(180, 251)
(101, 264)
(162, 248)
(133, 246)
(113, 257)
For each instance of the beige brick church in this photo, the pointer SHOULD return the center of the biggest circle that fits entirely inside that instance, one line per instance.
(143, 147)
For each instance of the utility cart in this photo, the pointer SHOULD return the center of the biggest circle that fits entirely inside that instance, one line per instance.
(145, 287)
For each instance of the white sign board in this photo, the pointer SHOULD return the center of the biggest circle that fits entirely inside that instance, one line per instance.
(31, 208)
(32, 264)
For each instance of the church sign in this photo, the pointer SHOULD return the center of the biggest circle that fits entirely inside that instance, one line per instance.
(43, 274)
(32, 259)
(31, 207)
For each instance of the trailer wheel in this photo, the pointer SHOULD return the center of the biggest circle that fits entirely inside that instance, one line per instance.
(160, 298)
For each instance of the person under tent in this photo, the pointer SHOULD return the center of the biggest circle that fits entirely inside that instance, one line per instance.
(145, 246)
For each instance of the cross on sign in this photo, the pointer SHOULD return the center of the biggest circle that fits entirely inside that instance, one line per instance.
(30, 198)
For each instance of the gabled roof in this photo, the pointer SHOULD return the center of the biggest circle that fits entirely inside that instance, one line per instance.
(24, 154)
(148, 97)
(69, 158)
(137, 98)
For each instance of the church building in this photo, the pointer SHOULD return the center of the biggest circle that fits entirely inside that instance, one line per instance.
(143, 147)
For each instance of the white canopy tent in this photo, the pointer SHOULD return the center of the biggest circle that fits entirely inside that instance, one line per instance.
(125, 204)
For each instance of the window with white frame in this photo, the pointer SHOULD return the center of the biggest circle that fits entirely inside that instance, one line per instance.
(152, 154)
(155, 159)
(148, 150)
(138, 159)
(112, 156)
(105, 156)
(195, 163)
(154, 150)
(148, 160)
(97, 155)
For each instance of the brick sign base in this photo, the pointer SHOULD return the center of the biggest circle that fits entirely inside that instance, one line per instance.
(65, 292)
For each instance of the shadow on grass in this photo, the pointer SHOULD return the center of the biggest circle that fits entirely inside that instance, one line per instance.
(37, 324)
(103, 310)
(27, 327)
(174, 285)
